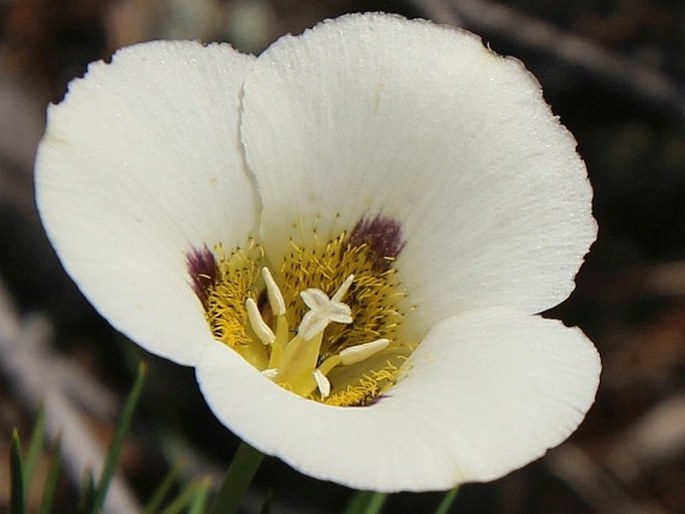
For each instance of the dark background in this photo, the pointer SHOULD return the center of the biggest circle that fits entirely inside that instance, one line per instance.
(612, 70)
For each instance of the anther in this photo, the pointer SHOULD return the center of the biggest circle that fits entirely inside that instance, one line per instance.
(322, 383)
(261, 329)
(270, 373)
(274, 293)
(360, 352)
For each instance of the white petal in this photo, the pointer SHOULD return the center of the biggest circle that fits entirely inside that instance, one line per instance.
(140, 164)
(486, 393)
(511, 385)
(372, 114)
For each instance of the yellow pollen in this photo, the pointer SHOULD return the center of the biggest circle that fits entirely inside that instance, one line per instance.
(323, 324)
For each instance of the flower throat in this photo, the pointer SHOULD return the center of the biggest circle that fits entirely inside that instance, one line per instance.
(322, 324)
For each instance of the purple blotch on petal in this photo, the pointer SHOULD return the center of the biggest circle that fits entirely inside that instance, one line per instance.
(203, 271)
(383, 236)
(376, 399)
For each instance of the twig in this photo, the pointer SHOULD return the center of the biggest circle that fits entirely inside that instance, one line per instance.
(667, 279)
(622, 73)
(599, 489)
(28, 341)
(21, 127)
(657, 438)
(439, 11)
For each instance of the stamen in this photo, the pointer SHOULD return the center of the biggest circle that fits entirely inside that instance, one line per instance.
(261, 329)
(353, 355)
(360, 352)
(322, 383)
(274, 293)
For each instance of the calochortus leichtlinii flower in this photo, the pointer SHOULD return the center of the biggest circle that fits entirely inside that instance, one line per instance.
(349, 237)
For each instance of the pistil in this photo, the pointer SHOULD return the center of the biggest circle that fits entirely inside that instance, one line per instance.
(342, 349)
(293, 363)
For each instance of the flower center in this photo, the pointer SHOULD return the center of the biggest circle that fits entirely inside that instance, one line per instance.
(322, 324)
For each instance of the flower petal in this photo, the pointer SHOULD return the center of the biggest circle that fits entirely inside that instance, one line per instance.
(371, 114)
(503, 385)
(141, 164)
(486, 393)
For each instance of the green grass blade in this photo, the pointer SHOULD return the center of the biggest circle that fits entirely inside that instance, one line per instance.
(85, 504)
(17, 488)
(366, 502)
(447, 501)
(238, 478)
(199, 505)
(184, 499)
(376, 503)
(35, 448)
(52, 479)
(162, 491)
(118, 440)
(266, 506)
(357, 502)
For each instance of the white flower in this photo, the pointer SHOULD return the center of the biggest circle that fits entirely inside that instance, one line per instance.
(370, 215)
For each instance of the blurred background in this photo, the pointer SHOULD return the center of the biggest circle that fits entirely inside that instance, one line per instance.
(613, 70)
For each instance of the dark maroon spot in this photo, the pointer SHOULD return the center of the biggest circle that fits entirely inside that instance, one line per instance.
(203, 271)
(383, 236)
(375, 400)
